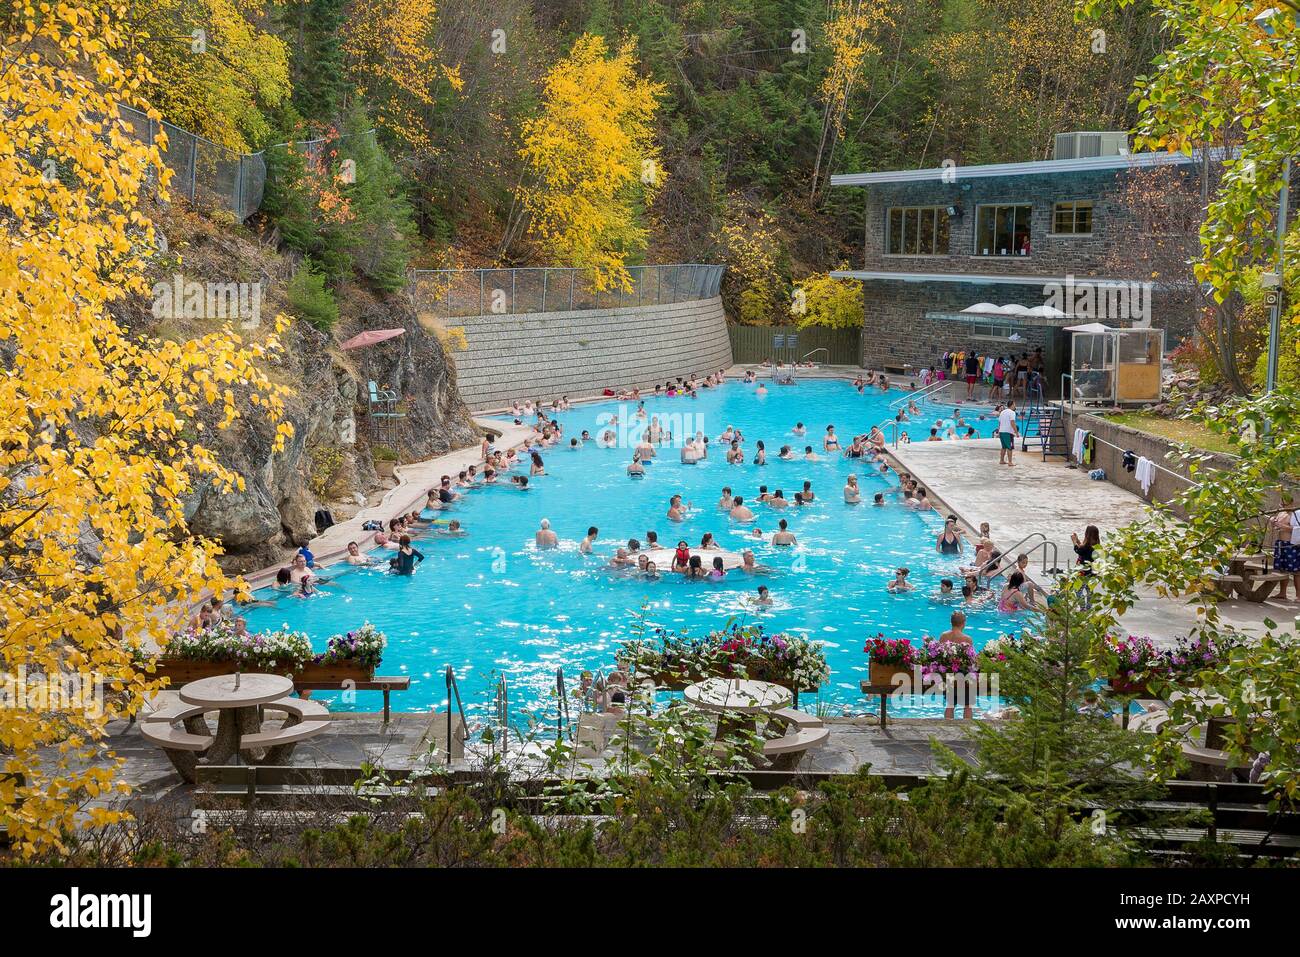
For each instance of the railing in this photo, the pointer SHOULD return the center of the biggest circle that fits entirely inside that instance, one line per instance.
(815, 351)
(502, 704)
(453, 693)
(923, 393)
(477, 292)
(204, 172)
(210, 175)
(562, 705)
(1045, 544)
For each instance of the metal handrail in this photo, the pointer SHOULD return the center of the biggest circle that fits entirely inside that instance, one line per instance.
(923, 393)
(503, 712)
(562, 708)
(453, 689)
(1045, 544)
(817, 350)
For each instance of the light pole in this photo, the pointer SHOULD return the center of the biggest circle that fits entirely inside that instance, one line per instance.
(1274, 292)
(1274, 282)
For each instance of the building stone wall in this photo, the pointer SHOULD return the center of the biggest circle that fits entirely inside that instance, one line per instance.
(896, 332)
(544, 355)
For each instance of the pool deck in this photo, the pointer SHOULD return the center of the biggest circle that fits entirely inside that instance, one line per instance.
(413, 483)
(1047, 497)
(904, 748)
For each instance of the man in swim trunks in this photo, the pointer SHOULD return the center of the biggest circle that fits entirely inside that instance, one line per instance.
(1007, 432)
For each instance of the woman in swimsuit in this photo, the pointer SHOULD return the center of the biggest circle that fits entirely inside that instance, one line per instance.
(949, 542)
(1012, 599)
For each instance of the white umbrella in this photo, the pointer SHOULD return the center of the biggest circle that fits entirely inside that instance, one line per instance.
(1012, 309)
(981, 307)
(1093, 327)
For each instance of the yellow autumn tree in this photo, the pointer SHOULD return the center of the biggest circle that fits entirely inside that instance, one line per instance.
(216, 69)
(591, 161)
(101, 431)
(388, 47)
(821, 300)
(853, 29)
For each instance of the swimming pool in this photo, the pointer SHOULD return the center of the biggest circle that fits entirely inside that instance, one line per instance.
(492, 603)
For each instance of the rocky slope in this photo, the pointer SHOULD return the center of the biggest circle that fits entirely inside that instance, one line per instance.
(327, 463)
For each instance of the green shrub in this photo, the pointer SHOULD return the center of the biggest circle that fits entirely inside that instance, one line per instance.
(310, 299)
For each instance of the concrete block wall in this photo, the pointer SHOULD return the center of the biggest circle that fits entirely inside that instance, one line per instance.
(544, 355)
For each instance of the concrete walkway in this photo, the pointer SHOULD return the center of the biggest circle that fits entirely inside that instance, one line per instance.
(1047, 497)
(413, 484)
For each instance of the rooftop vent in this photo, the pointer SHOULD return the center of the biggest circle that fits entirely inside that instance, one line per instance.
(1084, 144)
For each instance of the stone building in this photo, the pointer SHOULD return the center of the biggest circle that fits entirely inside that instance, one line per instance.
(1001, 257)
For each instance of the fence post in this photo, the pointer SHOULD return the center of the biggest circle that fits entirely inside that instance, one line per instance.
(482, 278)
(194, 167)
(239, 185)
(514, 311)
(545, 273)
(573, 281)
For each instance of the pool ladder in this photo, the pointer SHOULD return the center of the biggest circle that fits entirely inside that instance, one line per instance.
(1043, 543)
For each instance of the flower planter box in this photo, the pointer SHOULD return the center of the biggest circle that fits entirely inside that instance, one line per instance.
(1130, 686)
(334, 671)
(881, 675)
(182, 671)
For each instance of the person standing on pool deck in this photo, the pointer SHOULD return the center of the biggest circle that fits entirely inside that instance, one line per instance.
(1007, 432)
(972, 373)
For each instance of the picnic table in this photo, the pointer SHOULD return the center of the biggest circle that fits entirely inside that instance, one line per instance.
(240, 701)
(738, 702)
(1248, 577)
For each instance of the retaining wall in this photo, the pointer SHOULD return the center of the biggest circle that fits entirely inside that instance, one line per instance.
(547, 354)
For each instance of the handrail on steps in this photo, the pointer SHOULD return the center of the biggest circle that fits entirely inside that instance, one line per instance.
(453, 691)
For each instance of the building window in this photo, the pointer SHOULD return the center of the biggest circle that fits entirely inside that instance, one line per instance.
(1072, 219)
(1002, 231)
(917, 231)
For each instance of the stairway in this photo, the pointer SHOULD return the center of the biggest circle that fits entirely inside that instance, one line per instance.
(1045, 425)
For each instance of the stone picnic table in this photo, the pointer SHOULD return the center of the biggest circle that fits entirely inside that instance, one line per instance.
(239, 700)
(738, 702)
(1248, 577)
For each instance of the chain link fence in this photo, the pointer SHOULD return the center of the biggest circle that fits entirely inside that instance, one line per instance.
(448, 293)
(207, 174)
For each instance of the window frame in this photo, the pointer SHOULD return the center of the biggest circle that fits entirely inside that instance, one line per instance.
(940, 214)
(1074, 204)
(994, 254)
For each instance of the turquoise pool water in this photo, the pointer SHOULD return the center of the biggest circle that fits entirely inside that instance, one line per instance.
(491, 603)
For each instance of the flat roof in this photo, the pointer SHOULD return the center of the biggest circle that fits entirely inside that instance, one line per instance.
(1037, 167)
(985, 279)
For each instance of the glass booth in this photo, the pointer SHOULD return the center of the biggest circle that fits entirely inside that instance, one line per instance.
(1115, 366)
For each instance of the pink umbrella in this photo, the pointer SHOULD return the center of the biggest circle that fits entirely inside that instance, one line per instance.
(370, 337)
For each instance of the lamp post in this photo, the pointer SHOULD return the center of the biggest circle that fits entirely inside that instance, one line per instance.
(1273, 281)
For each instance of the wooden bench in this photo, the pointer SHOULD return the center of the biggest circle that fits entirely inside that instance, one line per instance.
(158, 729)
(385, 683)
(785, 752)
